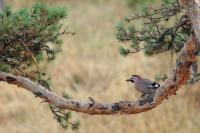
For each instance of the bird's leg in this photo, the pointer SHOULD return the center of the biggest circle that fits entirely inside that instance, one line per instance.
(147, 98)
(150, 97)
(144, 98)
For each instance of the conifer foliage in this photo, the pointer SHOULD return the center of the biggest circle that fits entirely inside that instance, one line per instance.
(26, 35)
(29, 36)
(163, 29)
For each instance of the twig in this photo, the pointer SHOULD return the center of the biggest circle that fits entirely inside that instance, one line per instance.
(32, 56)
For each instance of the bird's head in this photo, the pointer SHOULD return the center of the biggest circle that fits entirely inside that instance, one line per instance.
(133, 78)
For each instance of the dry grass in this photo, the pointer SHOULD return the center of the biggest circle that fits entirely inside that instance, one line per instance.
(90, 65)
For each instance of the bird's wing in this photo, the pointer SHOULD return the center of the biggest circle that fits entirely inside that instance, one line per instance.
(150, 84)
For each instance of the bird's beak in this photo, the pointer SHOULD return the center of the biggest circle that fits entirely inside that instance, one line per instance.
(129, 80)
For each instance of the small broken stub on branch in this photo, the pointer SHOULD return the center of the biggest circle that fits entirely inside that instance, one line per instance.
(10, 79)
(38, 94)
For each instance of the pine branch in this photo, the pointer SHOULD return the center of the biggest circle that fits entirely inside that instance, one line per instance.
(177, 77)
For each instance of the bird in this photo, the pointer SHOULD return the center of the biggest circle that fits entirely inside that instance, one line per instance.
(145, 86)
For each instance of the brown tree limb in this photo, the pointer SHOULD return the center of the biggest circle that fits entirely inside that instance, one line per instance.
(194, 14)
(176, 78)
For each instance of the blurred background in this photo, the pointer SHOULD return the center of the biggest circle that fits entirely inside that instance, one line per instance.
(91, 66)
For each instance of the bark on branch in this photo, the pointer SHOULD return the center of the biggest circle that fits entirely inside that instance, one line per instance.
(176, 78)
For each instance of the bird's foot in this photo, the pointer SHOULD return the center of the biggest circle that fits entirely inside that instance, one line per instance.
(146, 98)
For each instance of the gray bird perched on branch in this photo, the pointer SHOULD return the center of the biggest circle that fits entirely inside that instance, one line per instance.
(143, 85)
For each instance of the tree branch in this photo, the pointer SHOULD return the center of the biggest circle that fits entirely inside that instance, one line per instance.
(176, 78)
(194, 13)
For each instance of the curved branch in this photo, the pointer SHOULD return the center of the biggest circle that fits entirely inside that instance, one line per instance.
(176, 78)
